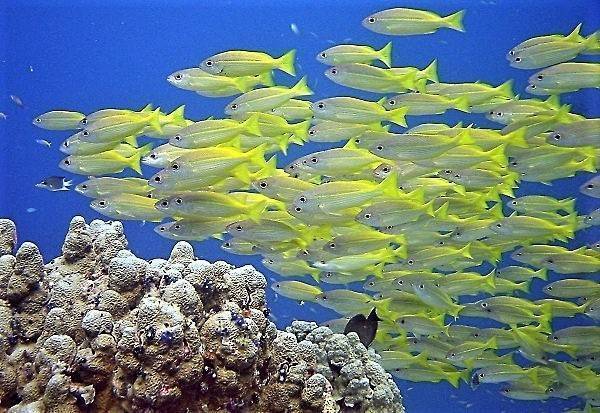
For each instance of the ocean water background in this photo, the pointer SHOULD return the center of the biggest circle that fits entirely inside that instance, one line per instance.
(117, 54)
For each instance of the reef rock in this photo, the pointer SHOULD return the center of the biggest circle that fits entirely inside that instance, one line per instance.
(101, 330)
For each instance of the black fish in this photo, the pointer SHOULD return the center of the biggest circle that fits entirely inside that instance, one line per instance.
(365, 327)
(55, 183)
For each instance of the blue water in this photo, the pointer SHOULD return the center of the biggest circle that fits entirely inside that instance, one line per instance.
(103, 54)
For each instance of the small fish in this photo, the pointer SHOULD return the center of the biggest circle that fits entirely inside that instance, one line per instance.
(31, 210)
(128, 207)
(579, 133)
(209, 85)
(354, 110)
(296, 290)
(370, 78)
(426, 103)
(294, 28)
(403, 21)
(516, 274)
(111, 161)
(191, 230)
(364, 327)
(43, 142)
(212, 132)
(572, 288)
(567, 76)
(293, 109)
(538, 203)
(98, 187)
(350, 53)
(17, 101)
(591, 187)
(3, 116)
(55, 183)
(584, 336)
(246, 63)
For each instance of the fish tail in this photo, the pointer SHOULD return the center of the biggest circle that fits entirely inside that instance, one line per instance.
(241, 172)
(301, 88)
(462, 104)
(517, 138)
(401, 251)
(545, 321)
(553, 101)
(255, 211)
(490, 279)
(266, 79)
(523, 286)
(453, 377)
(389, 186)
(385, 54)
(398, 116)
(283, 142)
(568, 205)
(132, 140)
(532, 373)
(496, 211)
(429, 208)
(454, 21)
(542, 274)
(588, 164)
(466, 251)
(455, 311)
(441, 212)
(464, 137)
(459, 189)
(430, 71)
(177, 116)
(286, 62)
(301, 130)
(315, 274)
(498, 155)
(420, 85)
(383, 306)
(408, 81)
(492, 343)
(506, 89)
(251, 124)
(592, 43)
(235, 143)
(257, 155)
(134, 162)
(154, 120)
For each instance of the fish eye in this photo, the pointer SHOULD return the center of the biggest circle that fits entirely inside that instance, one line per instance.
(177, 137)
(452, 354)
(332, 245)
(314, 160)
(517, 59)
(550, 261)
(67, 162)
(234, 106)
(372, 283)
(540, 77)
(386, 169)
(298, 209)
(410, 262)
(38, 120)
(320, 105)
(84, 121)
(400, 282)
(356, 140)
(238, 227)
(422, 286)
(512, 52)
(491, 112)
(302, 199)
(85, 132)
(178, 76)
(498, 225)
(44, 183)
(590, 186)
(389, 227)
(556, 136)
(164, 203)
(179, 201)
(555, 338)
(311, 132)
(157, 179)
(270, 261)
(324, 297)
(208, 63)
(263, 184)
(175, 166)
(448, 171)
(514, 202)
(402, 321)
(379, 148)
(481, 375)
(153, 156)
(66, 144)
(371, 20)
(549, 288)
(323, 55)
(367, 216)
(532, 86)
(177, 226)
(162, 229)
(228, 244)
(84, 186)
(391, 102)
(102, 204)
(334, 71)
(475, 334)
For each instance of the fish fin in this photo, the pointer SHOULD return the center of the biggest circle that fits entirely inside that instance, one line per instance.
(574, 35)
(592, 43)
(498, 155)
(568, 205)
(134, 161)
(496, 211)
(132, 140)
(257, 155)
(351, 144)
(459, 189)
(430, 71)
(453, 377)
(398, 116)
(490, 279)
(543, 274)
(553, 101)
(420, 85)
(241, 172)
(454, 21)
(286, 62)
(283, 142)
(506, 89)
(491, 343)
(154, 121)
(255, 211)
(466, 251)
(234, 143)
(301, 88)
(442, 211)
(147, 108)
(523, 286)
(251, 124)
(301, 130)
(517, 138)
(465, 138)
(385, 54)
(389, 186)
(177, 116)
(428, 207)
(67, 183)
(383, 305)
(145, 150)
(401, 251)
(462, 104)
(266, 79)
(455, 311)
(270, 169)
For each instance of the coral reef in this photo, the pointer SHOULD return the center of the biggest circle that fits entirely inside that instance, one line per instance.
(101, 330)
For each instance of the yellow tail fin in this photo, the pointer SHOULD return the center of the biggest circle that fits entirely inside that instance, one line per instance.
(286, 62)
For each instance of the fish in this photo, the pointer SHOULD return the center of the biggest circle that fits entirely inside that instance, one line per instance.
(103, 163)
(576, 134)
(162, 156)
(354, 110)
(370, 78)
(59, 120)
(210, 85)
(338, 161)
(572, 288)
(360, 242)
(247, 63)
(97, 187)
(332, 131)
(475, 93)
(290, 267)
(350, 53)
(17, 101)
(573, 262)
(55, 183)
(120, 126)
(470, 350)
(293, 109)
(270, 125)
(404, 21)
(370, 261)
(296, 290)
(268, 98)
(212, 132)
(74, 145)
(591, 187)
(516, 274)
(519, 109)
(43, 142)
(434, 295)
(526, 226)
(584, 336)
(128, 207)
(540, 203)
(348, 302)
(364, 327)
(426, 103)
(191, 230)
(413, 147)
(567, 76)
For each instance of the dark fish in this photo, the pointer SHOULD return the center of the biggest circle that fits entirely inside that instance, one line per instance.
(55, 183)
(17, 101)
(365, 327)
